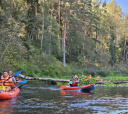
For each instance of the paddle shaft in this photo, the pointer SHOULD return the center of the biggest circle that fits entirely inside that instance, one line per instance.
(17, 73)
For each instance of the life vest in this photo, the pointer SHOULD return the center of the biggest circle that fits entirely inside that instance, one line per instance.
(74, 83)
(5, 82)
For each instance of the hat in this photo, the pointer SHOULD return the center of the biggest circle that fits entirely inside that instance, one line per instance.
(72, 76)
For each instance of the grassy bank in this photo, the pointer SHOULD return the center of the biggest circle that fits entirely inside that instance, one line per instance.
(116, 77)
(107, 78)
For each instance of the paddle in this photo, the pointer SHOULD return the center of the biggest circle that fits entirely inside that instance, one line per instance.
(23, 82)
(17, 73)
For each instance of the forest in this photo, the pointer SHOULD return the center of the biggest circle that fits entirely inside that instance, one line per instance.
(63, 37)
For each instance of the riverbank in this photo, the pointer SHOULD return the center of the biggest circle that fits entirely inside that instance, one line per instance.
(65, 79)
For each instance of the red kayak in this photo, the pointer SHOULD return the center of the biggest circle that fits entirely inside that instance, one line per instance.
(86, 87)
(8, 95)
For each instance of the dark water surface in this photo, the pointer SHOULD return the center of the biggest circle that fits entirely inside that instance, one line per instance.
(37, 98)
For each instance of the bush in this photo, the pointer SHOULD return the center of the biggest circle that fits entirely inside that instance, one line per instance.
(38, 66)
(56, 70)
(90, 72)
(29, 69)
(87, 81)
(103, 72)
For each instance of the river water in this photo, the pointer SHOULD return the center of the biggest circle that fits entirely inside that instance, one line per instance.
(37, 98)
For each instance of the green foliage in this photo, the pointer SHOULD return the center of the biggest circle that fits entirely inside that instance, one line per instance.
(60, 83)
(112, 78)
(39, 67)
(48, 83)
(90, 72)
(103, 73)
(112, 50)
(29, 69)
(54, 68)
(87, 81)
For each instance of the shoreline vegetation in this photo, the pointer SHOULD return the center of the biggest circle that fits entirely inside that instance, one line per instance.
(110, 80)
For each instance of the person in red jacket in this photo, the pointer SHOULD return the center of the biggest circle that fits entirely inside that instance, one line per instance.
(74, 82)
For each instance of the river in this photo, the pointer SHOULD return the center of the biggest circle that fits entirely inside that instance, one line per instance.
(37, 98)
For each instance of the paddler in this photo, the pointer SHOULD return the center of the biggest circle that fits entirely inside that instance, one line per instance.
(74, 81)
(99, 79)
(76, 78)
(11, 78)
(4, 79)
(70, 82)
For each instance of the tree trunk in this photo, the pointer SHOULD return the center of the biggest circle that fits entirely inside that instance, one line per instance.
(96, 37)
(63, 43)
(50, 29)
(35, 8)
(42, 26)
(124, 54)
(59, 23)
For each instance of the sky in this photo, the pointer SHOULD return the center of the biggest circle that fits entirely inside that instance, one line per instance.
(122, 3)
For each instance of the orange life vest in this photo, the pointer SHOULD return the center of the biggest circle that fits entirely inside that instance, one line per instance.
(5, 82)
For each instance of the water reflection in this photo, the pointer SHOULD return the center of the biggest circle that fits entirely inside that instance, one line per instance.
(37, 98)
(6, 106)
(77, 93)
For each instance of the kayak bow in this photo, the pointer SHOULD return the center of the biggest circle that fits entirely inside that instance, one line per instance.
(8, 95)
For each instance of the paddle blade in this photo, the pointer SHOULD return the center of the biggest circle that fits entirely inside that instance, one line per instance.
(63, 86)
(17, 73)
(23, 82)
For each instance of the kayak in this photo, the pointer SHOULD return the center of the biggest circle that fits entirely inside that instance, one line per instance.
(83, 88)
(8, 95)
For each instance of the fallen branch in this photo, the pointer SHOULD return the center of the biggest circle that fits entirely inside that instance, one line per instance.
(43, 79)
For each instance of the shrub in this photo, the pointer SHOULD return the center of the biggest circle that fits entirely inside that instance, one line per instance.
(29, 69)
(90, 72)
(103, 72)
(87, 81)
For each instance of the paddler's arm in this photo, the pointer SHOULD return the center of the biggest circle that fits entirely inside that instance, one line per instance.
(70, 82)
(78, 81)
(14, 80)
